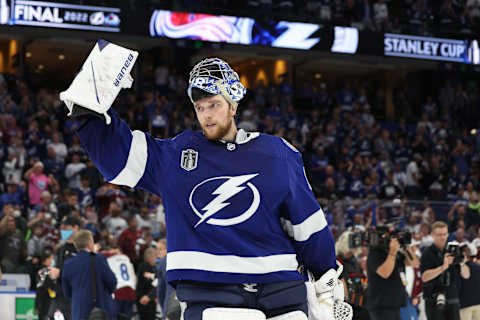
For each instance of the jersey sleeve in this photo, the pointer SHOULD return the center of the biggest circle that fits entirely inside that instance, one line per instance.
(124, 157)
(305, 220)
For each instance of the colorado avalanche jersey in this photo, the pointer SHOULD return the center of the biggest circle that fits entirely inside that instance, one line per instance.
(238, 212)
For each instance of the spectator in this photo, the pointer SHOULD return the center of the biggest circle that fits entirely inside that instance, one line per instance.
(345, 96)
(350, 12)
(13, 195)
(158, 210)
(470, 193)
(389, 189)
(399, 176)
(128, 239)
(13, 167)
(73, 172)
(54, 166)
(474, 10)
(75, 147)
(161, 78)
(325, 10)
(11, 243)
(86, 195)
(35, 244)
(144, 218)
(114, 222)
(158, 121)
(338, 12)
(459, 235)
(365, 14)
(50, 234)
(247, 122)
(412, 181)
(165, 292)
(59, 147)
(93, 176)
(47, 205)
(37, 182)
(70, 206)
(380, 10)
(456, 213)
(11, 129)
(146, 291)
(313, 7)
(446, 13)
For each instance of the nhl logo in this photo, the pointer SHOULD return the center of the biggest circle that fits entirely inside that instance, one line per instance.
(189, 159)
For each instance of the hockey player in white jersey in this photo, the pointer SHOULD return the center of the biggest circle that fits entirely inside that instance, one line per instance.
(124, 294)
(241, 216)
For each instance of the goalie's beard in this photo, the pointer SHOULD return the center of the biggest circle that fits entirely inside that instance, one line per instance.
(220, 132)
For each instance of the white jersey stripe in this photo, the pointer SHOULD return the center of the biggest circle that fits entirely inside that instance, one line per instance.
(229, 263)
(136, 162)
(303, 231)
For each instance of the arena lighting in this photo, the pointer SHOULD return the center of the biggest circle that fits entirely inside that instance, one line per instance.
(279, 68)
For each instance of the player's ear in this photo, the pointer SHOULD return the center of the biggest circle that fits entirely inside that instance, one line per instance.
(233, 109)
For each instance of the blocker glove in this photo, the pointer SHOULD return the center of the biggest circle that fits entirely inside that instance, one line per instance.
(326, 297)
(105, 72)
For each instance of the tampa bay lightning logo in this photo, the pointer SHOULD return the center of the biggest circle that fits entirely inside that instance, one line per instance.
(229, 187)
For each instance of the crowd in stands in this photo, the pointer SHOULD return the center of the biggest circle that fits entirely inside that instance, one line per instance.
(420, 17)
(361, 167)
(410, 16)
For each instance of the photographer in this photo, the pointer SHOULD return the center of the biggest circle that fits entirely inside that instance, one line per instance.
(441, 277)
(470, 303)
(46, 286)
(386, 293)
(70, 225)
(352, 275)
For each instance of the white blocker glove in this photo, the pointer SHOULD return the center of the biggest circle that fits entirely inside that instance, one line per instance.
(105, 72)
(326, 297)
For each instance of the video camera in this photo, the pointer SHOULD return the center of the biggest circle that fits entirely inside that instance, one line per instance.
(378, 237)
(455, 249)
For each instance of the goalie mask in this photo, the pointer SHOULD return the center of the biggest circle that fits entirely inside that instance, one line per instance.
(215, 76)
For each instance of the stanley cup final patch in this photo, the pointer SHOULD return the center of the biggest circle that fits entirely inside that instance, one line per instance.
(189, 159)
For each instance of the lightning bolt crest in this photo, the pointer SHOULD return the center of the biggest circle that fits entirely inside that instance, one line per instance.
(224, 192)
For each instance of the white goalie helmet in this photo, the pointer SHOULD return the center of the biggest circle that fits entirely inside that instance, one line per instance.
(215, 76)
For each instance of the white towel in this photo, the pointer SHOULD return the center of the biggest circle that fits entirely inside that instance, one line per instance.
(105, 72)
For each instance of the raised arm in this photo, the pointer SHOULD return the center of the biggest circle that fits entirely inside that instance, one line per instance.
(125, 157)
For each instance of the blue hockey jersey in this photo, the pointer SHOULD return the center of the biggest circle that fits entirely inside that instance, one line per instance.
(238, 212)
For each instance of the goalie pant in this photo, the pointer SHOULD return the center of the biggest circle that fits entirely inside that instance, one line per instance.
(272, 299)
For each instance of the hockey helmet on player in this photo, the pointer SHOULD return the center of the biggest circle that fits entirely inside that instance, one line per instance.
(215, 76)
